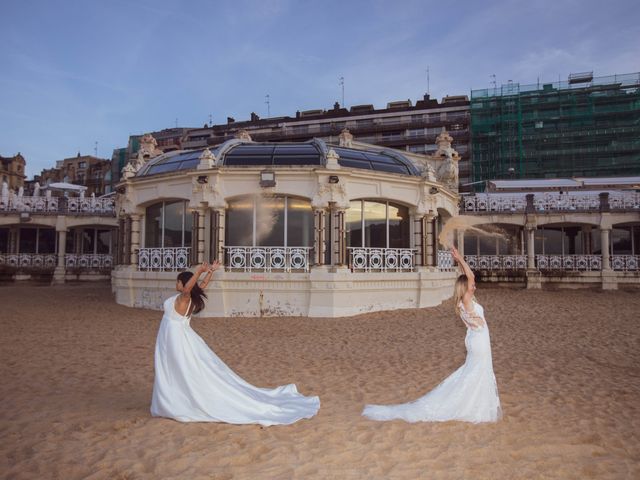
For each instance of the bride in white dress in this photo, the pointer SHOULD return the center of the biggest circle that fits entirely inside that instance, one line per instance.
(193, 385)
(470, 394)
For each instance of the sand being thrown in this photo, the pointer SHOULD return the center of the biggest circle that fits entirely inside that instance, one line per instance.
(468, 224)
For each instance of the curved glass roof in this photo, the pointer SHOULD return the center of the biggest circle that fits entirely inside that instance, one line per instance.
(282, 154)
(171, 162)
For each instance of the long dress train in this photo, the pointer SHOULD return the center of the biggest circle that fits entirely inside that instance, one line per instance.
(469, 394)
(192, 384)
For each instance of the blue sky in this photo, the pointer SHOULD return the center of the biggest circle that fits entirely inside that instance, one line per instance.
(76, 72)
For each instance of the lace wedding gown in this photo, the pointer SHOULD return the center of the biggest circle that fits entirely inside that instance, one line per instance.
(193, 385)
(469, 394)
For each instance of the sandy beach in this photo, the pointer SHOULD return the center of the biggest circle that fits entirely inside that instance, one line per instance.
(77, 373)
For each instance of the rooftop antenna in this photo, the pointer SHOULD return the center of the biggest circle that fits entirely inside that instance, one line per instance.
(268, 102)
(428, 89)
(95, 149)
(210, 119)
(493, 81)
(342, 85)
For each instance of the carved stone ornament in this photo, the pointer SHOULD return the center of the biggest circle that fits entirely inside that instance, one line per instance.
(128, 171)
(346, 138)
(330, 193)
(209, 192)
(332, 160)
(149, 146)
(427, 202)
(428, 172)
(207, 160)
(243, 135)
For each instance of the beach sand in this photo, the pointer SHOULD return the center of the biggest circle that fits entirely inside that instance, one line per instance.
(77, 374)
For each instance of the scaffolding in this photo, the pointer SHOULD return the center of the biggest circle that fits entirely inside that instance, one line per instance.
(584, 127)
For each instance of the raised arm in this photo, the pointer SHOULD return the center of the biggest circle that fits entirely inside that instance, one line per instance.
(186, 291)
(207, 278)
(471, 279)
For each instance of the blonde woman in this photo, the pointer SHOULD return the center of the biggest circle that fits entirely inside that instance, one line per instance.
(469, 394)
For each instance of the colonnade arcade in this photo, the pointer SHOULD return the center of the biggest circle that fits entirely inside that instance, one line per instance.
(280, 233)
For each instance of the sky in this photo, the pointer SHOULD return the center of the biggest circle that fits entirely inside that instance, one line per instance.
(73, 73)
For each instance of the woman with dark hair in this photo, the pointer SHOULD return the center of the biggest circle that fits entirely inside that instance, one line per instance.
(469, 394)
(193, 385)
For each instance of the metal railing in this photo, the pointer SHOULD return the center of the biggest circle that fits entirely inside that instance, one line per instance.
(625, 263)
(163, 259)
(267, 259)
(85, 261)
(545, 202)
(496, 262)
(35, 261)
(569, 262)
(58, 205)
(363, 259)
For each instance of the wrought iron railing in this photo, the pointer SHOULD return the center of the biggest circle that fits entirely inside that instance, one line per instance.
(445, 260)
(544, 202)
(496, 262)
(267, 259)
(626, 263)
(36, 261)
(569, 262)
(58, 205)
(88, 261)
(363, 259)
(163, 259)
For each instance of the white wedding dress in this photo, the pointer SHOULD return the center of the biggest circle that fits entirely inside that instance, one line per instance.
(193, 385)
(469, 394)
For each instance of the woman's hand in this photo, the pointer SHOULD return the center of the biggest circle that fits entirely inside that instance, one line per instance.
(456, 255)
(214, 266)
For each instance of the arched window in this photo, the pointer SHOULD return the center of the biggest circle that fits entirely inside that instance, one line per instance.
(168, 224)
(377, 224)
(269, 222)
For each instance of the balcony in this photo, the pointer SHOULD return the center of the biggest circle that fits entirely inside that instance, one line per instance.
(29, 261)
(58, 206)
(84, 261)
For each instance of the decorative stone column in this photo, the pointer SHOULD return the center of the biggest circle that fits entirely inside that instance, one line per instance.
(531, 247)
(605, 246)
(319, 243)
(200, 213)
(338, 238)
(217, 234)
(418, 238)
(460, 240)
(135, 238)
(431, 249)
(60, 270)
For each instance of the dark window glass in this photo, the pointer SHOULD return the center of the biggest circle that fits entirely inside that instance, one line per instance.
(296, 160)
(46, 240)
(353, 221)
(375, 224)
(188, 164)
(4, 240)
(270, 222)
(349, 162)
(552, 241)
(153, 226)
(88, 240)
(163, 167)
(173, 224)
(235, 160)
(381, 158)
(299, 223)
(398, 226)
(239, 223)
(104, 242)
(621, 241)
(470, 245)
(28, 238)
(295, 150)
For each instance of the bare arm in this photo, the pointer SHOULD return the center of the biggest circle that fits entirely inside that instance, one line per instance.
(212, 268)
(471, 278)
(186, 291)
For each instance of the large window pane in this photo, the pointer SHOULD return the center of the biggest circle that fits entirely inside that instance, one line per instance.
(88, 243)
(553, 241)
(153, 226)
(4, 240)
(173, 224)
(353, 220)
(299, 223)
(621, 241)
(375, 224)
(239, 227)
(46, 240)
(28, 240)
(104, 242)
(398, 226)
(270, 221)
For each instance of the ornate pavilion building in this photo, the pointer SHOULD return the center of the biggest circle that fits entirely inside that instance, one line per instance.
(301, 228)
